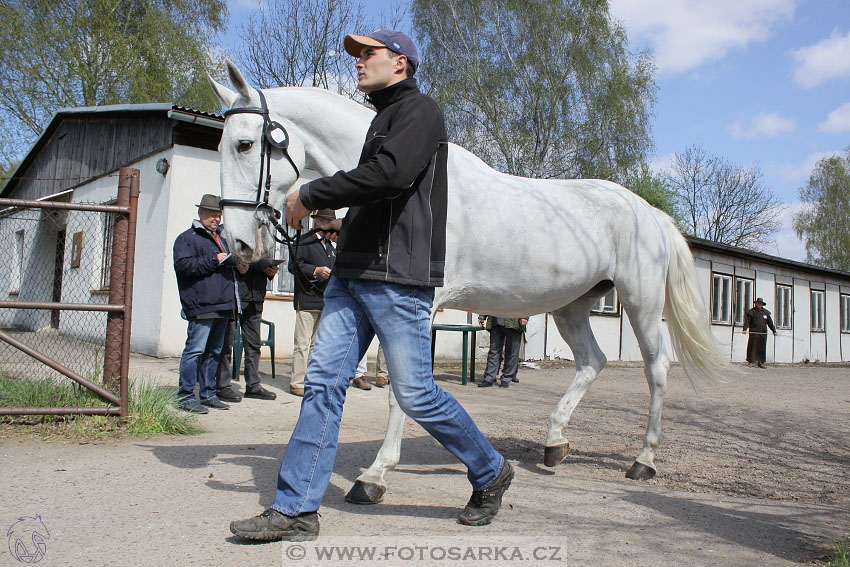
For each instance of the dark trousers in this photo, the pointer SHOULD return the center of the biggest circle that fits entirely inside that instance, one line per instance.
(757, 348)
(508, 340)
(249, 323)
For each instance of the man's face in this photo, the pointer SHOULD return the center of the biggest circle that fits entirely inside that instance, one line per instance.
(322, 223)
(209, 218)
(378, 67)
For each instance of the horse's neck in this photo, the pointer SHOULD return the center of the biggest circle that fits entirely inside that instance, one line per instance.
(334, 125)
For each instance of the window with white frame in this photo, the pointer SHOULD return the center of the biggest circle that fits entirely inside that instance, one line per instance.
(784, 307)
(721, 299)
(845, 313)
(18, 264)
(817, 310)
(108, 229)
(743, 298)
(607, 304)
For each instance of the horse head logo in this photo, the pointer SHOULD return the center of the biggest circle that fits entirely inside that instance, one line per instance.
(28, 539)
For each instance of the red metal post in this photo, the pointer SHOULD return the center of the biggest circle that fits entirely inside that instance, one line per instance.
(129, 270)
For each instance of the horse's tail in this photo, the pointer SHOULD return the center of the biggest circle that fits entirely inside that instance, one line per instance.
(687, 319)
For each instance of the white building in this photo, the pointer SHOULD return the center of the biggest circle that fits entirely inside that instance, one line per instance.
(77, 157)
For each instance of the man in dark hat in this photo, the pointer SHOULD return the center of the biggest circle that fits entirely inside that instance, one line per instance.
(390, 257)
(208, 294)
(756, 321)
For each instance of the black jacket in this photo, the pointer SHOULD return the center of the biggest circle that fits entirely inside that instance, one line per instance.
(395, 229)
(758, 320)
(252, 286)
(204, 284)
(311, 254)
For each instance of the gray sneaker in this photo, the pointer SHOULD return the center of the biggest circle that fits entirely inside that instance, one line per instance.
(191, 406)
(272, 525)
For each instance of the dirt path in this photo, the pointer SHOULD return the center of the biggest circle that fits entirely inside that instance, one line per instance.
(751, 473)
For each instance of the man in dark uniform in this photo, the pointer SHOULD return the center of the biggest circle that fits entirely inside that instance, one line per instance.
(757, 320)
(252, 293)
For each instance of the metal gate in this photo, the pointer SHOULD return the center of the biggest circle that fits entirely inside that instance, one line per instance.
(67, 307)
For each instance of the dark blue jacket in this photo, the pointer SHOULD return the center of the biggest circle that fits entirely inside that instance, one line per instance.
(205, 285)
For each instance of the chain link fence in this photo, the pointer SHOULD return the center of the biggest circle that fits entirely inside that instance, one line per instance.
(65, 294)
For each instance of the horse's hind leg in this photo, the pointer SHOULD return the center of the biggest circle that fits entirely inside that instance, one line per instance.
(646, 322)
(574, 325)
(369, 488)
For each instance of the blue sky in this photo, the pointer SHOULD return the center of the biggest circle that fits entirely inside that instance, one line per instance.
(763, 82)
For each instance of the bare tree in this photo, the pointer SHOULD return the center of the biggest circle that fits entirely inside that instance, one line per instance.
(299, 43)
(723, 202)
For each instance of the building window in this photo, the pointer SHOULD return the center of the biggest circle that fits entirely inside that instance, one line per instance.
(743, 298)
(845, 313)
(106, 252)
(721, 299)
(817, 310)
(17, 266)
(784, 307)
(284, 281)
(606, 304)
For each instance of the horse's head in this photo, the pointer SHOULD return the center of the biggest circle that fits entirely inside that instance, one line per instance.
(246, 133)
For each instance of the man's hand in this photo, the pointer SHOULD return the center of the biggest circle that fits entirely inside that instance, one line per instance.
(241, 267)
(523, 322)
(221, 256)
(271, 271)
(322, 272)
(295, 211)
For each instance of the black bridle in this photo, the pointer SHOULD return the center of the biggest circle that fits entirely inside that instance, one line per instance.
(274, 136)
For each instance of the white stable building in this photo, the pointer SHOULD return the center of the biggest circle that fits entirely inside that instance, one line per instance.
(77, 157)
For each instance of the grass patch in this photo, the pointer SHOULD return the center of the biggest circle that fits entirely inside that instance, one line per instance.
(151, 409)
(842, 553)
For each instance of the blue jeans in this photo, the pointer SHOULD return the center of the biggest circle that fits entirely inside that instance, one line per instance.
(199, 362)
(355, 311)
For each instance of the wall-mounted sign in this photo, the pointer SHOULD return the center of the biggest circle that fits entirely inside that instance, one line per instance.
(77, 249)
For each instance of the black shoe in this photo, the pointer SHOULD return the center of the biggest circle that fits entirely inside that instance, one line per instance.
(260, 394)
(515, 380)
(229, 395)
(214, 403)
(272, 525)
(504, 384)
(191, 406)
(484, 504)
(484, 384)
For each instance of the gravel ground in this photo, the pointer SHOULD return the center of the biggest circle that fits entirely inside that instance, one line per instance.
(750, 473)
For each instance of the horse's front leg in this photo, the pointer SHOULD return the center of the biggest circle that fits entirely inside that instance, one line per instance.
(369, 488)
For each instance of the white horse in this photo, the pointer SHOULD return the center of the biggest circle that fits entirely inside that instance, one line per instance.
(515, 246)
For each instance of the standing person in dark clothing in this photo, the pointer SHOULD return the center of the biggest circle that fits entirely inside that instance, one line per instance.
(505, 335)
(391, 256)
(316, 257)
(252, 293)
(756, 321)
(205, 280)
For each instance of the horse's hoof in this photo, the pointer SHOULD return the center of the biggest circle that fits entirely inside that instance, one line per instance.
(365, 493)
(639, 471)
(555, 455)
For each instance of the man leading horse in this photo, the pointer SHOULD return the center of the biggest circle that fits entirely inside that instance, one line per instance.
(390, 257)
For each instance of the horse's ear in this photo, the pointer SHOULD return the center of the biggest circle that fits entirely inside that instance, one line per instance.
(225, 95)
(238, 81)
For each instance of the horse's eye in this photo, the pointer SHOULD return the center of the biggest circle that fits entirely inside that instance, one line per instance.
(245, 145)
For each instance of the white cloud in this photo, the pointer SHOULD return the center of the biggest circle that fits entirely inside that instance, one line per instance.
(799, 172)
(787, 245)
(687, 33)
(827, 59)
(762, 125)
(660, 164)
(837, 121)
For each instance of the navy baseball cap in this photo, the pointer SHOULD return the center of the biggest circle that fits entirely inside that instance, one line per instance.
(393, 40)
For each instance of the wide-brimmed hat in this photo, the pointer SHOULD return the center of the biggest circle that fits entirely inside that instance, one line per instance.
(328, 213)
(760, 300)
(393, 40)
(210, 201)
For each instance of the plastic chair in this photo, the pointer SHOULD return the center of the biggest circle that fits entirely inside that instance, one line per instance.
(238, 346)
